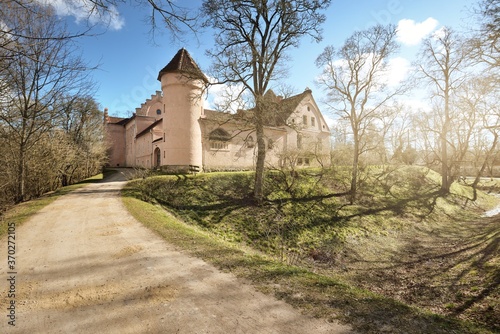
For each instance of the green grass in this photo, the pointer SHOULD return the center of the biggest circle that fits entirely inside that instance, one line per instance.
(212, 216)
(307, 213)
(22, 212)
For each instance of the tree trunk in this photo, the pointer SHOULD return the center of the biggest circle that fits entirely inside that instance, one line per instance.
(355, 168)
(445, 177)
(484, 165)
(261, 156)
(21, 174)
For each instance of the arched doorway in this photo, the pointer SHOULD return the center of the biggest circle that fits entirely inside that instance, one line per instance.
(157, 156)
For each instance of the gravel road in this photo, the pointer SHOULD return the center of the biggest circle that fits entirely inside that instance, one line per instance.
(84, 265)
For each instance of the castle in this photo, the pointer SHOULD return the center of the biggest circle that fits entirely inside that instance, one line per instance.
(174, 132)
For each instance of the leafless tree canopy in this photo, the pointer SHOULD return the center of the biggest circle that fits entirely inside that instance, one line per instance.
(41, 75)
(356, 90)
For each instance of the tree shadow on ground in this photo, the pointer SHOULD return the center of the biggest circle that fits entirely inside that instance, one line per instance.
(451, 269)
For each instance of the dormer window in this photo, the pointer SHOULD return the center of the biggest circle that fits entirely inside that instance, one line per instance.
(219, 139)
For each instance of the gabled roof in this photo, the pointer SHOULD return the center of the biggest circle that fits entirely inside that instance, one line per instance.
(279, 110)
(286, 107)
(146, 130)
(184, 63)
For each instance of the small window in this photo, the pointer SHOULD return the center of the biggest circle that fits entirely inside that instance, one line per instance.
(299, 161)
(158, 111)
(270, 144)
(299, 141)
(304, 120)
(313, 121)
(306, 161)
(219, 145)
(250, 142)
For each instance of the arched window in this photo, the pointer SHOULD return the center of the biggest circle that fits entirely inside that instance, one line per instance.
(158, 111)
(270, 144)
(250, 142)
(157, 161)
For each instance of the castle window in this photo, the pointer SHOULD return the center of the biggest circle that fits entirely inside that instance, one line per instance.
(219, 139)
(313, 121)
(304, 120)
(250, 142)
(158, 111)
(270, 144)
(219, 145)
(299, 140)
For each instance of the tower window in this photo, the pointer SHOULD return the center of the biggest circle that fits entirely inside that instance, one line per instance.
(158, 111)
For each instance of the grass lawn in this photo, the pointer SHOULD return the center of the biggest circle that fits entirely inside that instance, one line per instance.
(393, 262)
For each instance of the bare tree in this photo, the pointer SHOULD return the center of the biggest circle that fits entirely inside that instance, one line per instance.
(486, 43)
(251, 43)
(478, 101)
(353, 78)
(42, 68)
(444, 60)
(82, 126)
(164, 14)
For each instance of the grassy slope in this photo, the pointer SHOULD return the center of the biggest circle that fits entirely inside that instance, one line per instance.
(327, 240)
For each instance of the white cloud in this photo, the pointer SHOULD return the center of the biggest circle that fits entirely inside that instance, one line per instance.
(397, 70)
(410, 32)
(440, 33)
(84, 10)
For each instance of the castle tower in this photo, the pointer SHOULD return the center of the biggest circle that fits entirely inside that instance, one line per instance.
(182, 84)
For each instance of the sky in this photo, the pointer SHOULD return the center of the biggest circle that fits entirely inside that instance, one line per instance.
(129, 61)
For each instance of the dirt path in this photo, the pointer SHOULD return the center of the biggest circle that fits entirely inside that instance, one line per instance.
(84, 265)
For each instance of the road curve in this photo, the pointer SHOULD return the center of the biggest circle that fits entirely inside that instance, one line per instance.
(83, 264)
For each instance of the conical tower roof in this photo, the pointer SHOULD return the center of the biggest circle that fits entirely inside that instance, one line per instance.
(184, 63)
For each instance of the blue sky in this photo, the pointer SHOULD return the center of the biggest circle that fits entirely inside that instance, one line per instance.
(129, 61)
